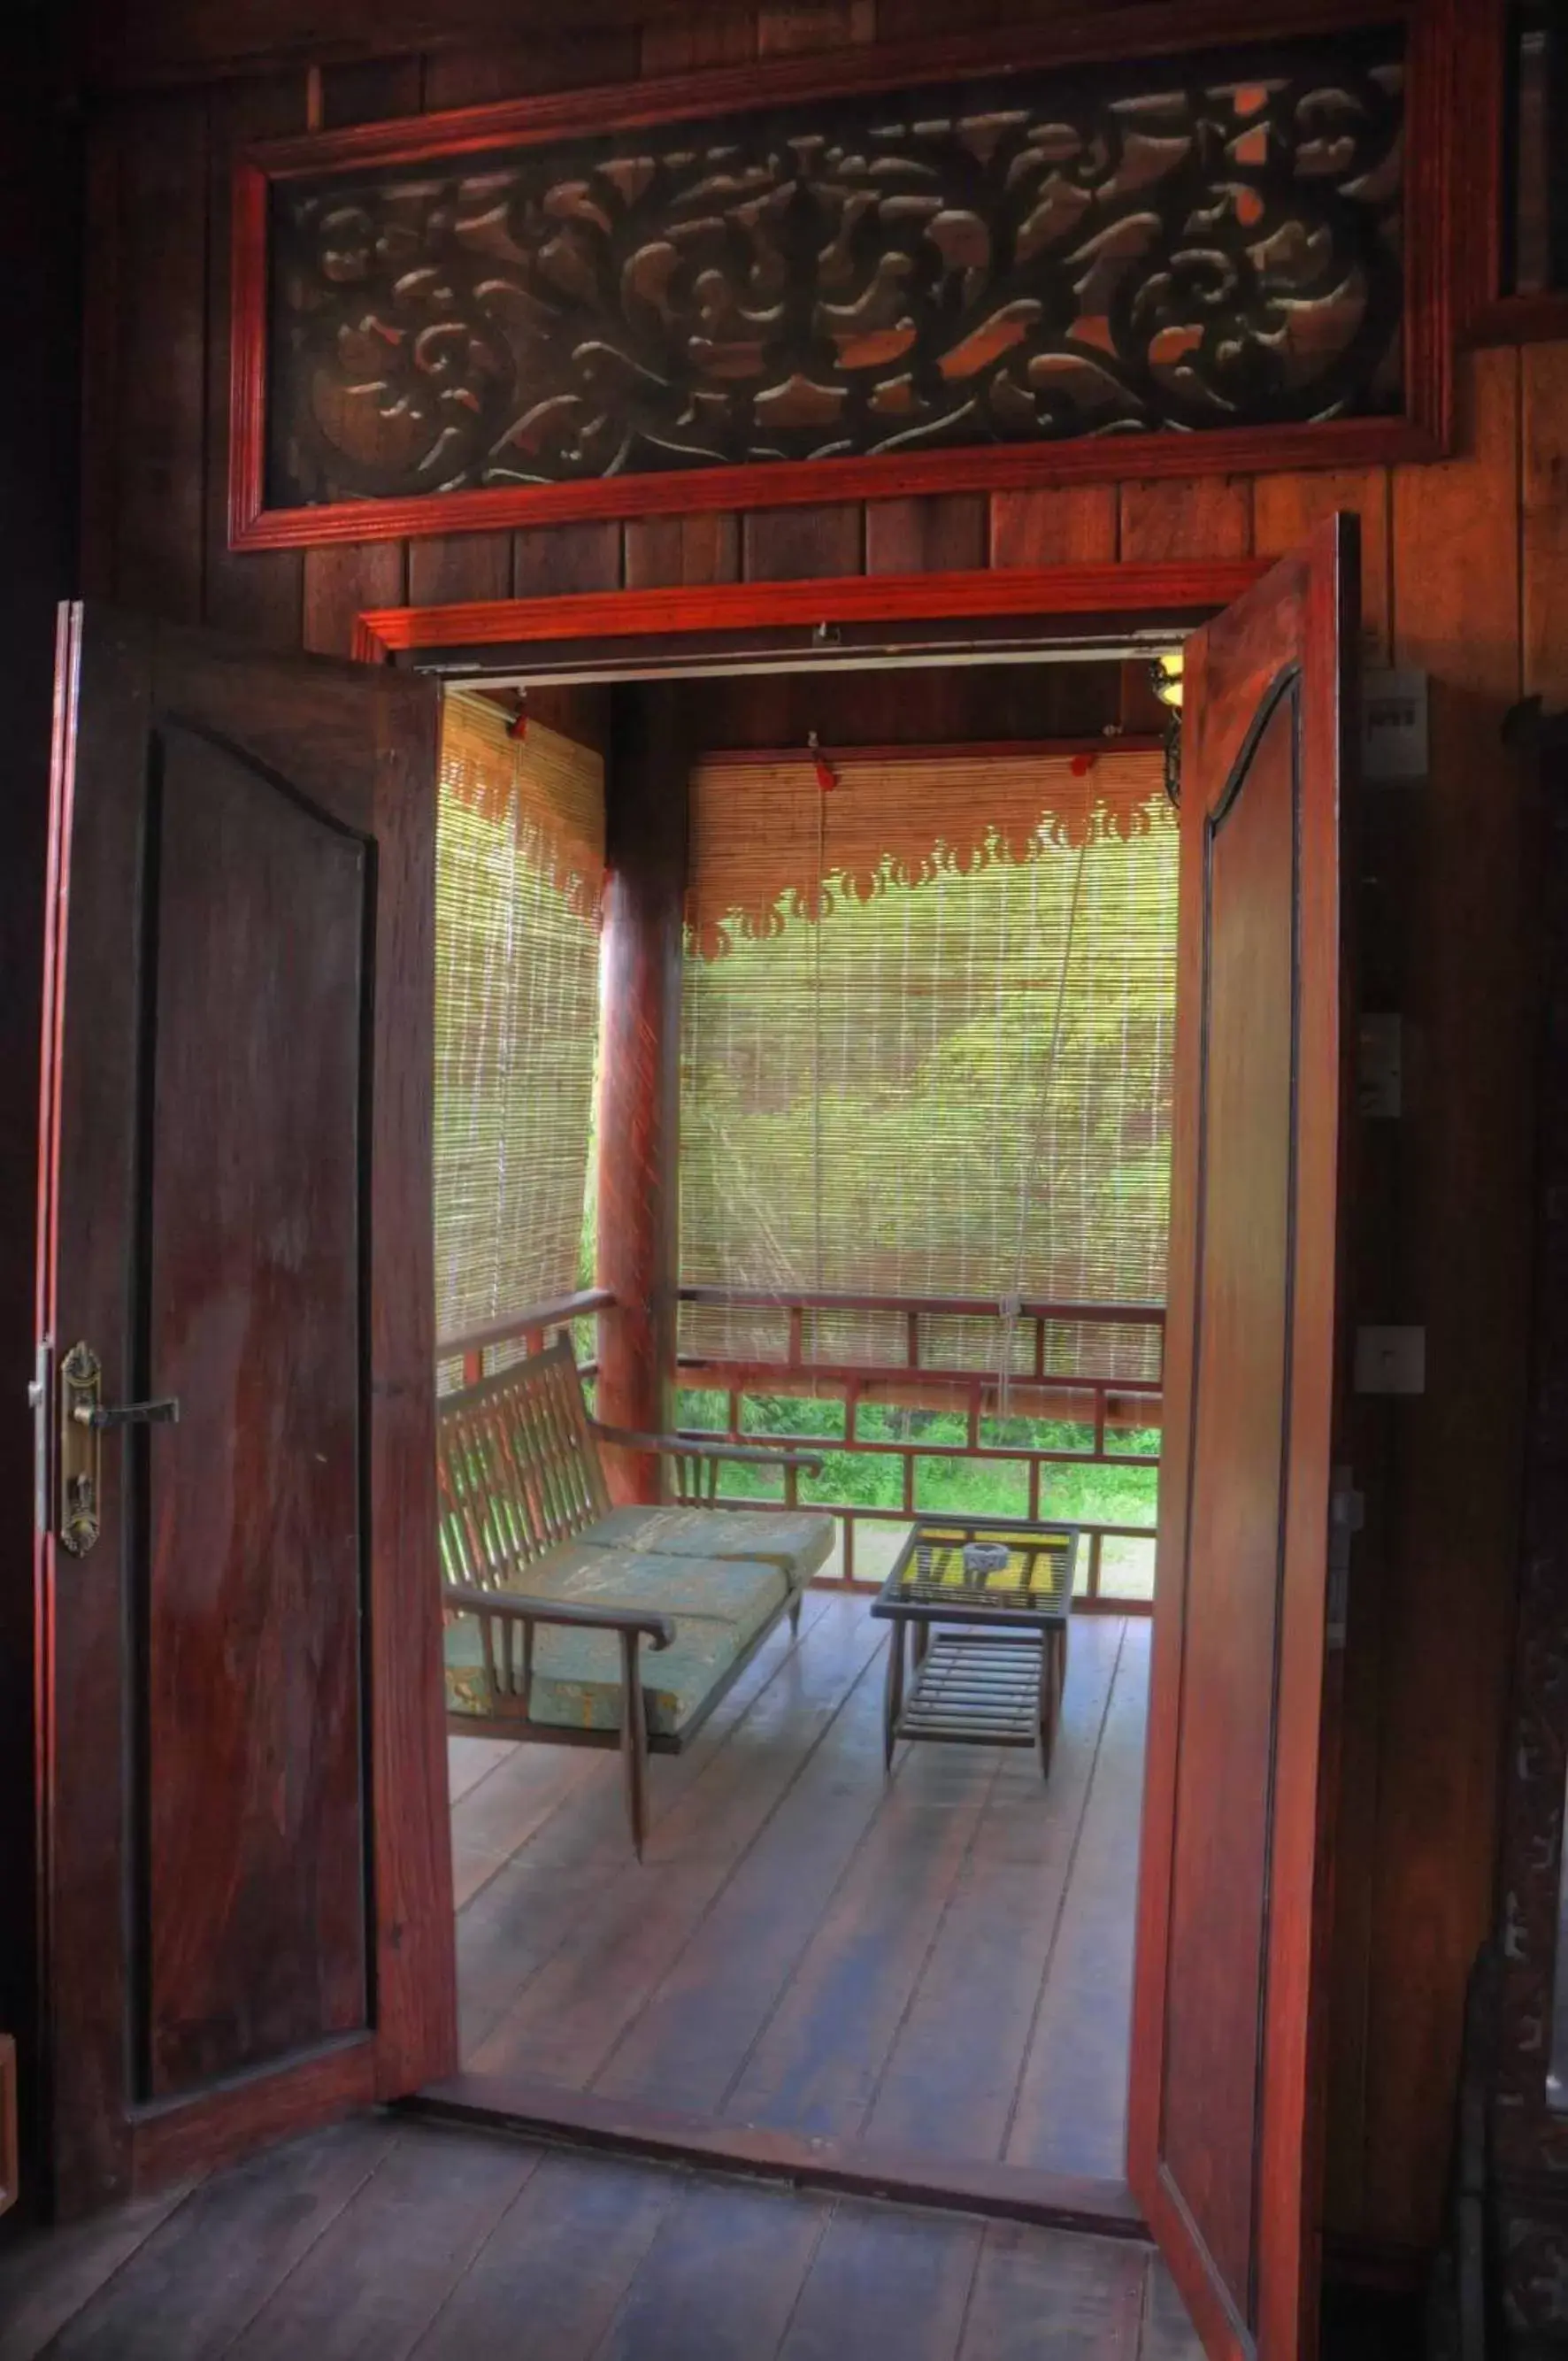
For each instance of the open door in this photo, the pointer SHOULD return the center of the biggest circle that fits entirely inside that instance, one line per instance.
(1224, 2149)
(247, 1904)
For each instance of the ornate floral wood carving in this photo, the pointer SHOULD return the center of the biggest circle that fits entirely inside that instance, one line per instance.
(933, 282)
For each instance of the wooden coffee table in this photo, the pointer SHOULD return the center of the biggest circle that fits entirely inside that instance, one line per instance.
(990, 1641)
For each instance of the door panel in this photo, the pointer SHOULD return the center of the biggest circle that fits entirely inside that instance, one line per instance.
(248, 1885)
(252, 1310)
(1223, 2136)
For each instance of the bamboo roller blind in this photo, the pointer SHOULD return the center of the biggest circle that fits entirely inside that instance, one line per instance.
(518, 870)
(956, 1079)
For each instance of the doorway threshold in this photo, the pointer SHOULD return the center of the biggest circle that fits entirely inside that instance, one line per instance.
(545, 2112)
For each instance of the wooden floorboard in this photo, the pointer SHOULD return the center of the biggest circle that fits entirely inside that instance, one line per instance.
(570, 2014)
(384, 2239)
(937, 1963)
(193, 2288)
(952, 2079)
(45, 2282)
(1073, 2098)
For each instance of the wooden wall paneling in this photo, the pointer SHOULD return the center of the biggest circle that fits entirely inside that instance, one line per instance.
(1075, 526)
(682, 42)
(259, 594)
(160, 392)
(1204, 516)
(791, 28)
(341, 582)
(798, 544)
(1543, 396)
(940, 534)
(1286, 507)
(1454, 1487)
(662, 552)
(555, 560)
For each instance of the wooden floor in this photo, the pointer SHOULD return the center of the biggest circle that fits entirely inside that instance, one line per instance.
(389, 2241)
(939, 1963)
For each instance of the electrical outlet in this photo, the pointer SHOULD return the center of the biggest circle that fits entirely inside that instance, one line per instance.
(1390, 1360)
(1394, 723)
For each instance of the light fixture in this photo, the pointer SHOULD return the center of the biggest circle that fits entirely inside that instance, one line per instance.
(1165, 678)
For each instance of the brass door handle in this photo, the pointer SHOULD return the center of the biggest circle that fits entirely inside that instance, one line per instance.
(83, 1417)
(147, 1413)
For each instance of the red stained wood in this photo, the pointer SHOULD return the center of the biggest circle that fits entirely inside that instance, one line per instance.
(1208, 517)
(214, 812)
(567, 558)
(639, 1104)
(460, 566)
(1180, 587)
(669, 550)
(254, 1839)
(1075, 526)
(791, 544)
(1224, 2143)
(927, 536)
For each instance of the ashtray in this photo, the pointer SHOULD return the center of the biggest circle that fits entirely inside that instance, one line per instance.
(986, 1557)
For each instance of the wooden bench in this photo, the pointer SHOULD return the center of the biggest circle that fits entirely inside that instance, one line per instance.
(558, 1603)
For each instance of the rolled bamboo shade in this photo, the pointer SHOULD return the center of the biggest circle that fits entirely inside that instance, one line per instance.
(519, 867)
(870, 1103)
(759, 823)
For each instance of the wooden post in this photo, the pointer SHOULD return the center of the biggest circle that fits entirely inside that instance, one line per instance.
(639, 1107)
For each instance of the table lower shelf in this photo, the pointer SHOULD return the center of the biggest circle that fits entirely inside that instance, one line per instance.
(976, 1688)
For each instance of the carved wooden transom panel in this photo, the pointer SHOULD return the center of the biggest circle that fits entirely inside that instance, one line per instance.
(1196, 242)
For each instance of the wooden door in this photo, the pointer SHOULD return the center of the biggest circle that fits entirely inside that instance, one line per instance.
(1227, 2070)
(247, 1904)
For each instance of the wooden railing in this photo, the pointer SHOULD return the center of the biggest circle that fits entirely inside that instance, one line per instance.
(533, 1328)
(1101, 1407)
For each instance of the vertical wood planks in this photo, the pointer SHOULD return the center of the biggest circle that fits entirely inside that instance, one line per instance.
(1543, 395)
(155, 409)
(342, 582)
(1286, 507)
(799, 544)
(1455, 1490)
(1074, 526)
(259, 594)
(927, 536)
(1209, 516)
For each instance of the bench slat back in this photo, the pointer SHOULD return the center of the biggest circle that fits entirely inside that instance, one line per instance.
(517, 1469)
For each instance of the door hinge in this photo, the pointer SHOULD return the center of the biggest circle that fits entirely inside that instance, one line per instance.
(1347, 1515)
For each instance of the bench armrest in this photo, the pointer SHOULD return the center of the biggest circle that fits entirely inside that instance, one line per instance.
(679, 1446)
(519, 1609)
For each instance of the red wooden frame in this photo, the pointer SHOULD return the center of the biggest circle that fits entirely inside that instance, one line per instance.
(1421, 432)
(1190, 588)
(1486, 316)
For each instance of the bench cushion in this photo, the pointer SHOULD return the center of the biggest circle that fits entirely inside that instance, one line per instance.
(719, 1607)
(798, 1541)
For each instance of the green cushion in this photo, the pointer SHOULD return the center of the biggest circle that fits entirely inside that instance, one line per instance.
(719, 1607)
(796, 1541)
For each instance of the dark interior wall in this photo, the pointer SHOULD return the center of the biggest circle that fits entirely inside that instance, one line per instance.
(41, 270)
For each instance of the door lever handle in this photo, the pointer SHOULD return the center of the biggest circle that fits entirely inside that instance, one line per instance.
(147, 1413)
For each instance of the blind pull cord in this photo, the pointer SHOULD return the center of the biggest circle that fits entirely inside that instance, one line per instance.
(1011, 1307)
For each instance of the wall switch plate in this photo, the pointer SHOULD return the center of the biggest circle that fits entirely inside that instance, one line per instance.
(1393, 723)
(1380, 1066)
(1390, 1360)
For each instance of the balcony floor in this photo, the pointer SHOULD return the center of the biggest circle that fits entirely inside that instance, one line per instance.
(939, 1963)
